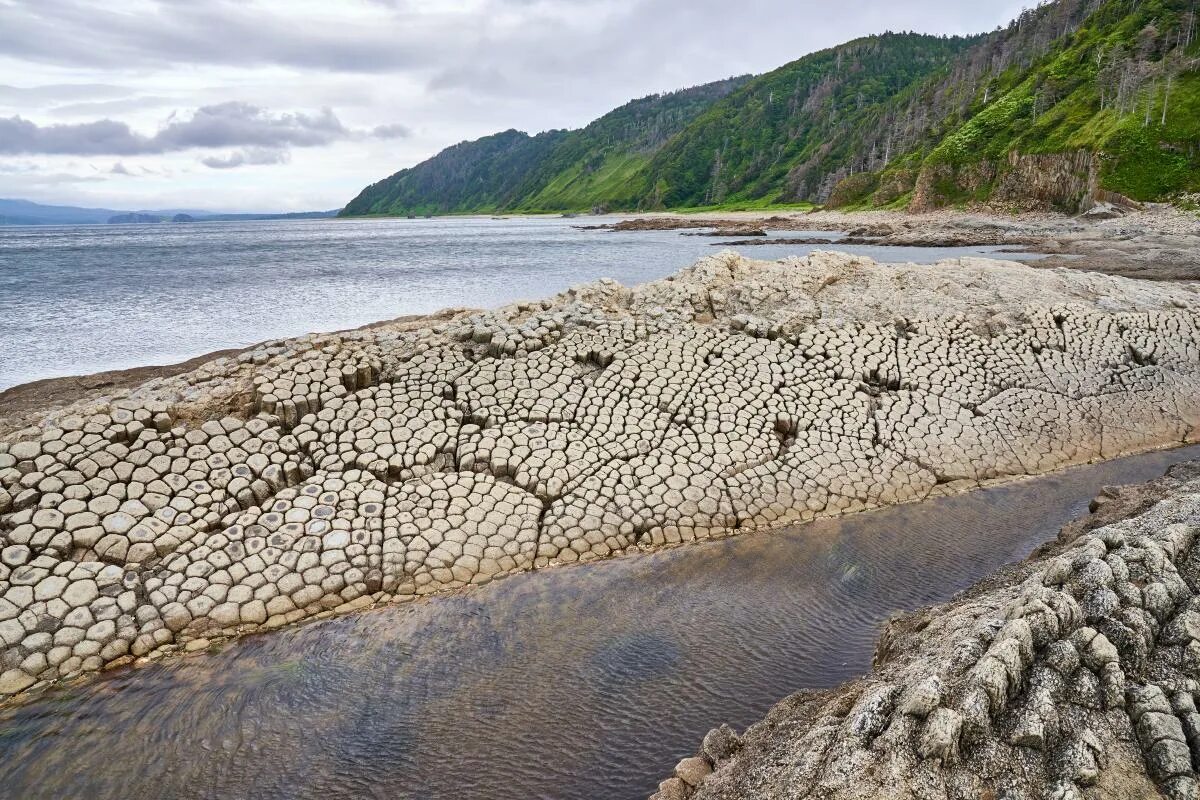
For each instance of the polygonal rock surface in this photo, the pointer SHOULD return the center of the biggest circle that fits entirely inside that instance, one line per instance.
(335, 470)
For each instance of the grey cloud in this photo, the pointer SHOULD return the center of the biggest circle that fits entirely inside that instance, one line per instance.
(118, 106)
(400, 36)
(392, 131)
(237, 124)
(23, 179)
(20, 136)
(135, 171)
(224, 125)
(248, 157)
(472, 77)
(569, 54)
(206, 31)
(639, 46)
(59, 92)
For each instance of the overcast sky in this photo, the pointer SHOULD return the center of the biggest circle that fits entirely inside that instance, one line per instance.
(298, 104)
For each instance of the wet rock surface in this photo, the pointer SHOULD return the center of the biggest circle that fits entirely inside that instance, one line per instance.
(1151, 243)
(1073, 674)
(332, 472)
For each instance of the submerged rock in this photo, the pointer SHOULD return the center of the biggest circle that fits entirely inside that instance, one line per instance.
(327, 473)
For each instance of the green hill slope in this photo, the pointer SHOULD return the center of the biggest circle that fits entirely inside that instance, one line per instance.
(479, 176)
(1075, 101)
(780, 135)
(553, 171)
(1117, 100)
(604, 163)
(1078, 101)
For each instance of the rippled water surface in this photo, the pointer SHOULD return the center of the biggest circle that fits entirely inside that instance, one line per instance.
(584, 682)
(79, 299)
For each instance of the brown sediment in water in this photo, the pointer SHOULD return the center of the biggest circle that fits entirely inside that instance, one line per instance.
(331, 472)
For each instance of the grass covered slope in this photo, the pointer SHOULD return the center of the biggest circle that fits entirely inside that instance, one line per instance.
(604, 163)
(478, 176)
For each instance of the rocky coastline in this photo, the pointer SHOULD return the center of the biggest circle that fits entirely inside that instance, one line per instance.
(331, 472)
(1154, 242)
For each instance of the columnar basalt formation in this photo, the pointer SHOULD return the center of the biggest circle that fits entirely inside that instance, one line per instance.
(1074, 675)
(334, 471)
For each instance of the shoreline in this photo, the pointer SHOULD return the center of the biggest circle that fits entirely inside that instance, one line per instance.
(1157, 242)
(45, 395)
(30, 396)
(1033, 230)
(532, 435)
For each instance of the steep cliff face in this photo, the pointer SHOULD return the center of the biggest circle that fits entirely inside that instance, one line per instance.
(1029, 182)
(1107, 111)
(1069, 182)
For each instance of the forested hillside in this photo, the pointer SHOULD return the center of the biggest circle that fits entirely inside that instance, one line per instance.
(1075, 101)
(483, 175)
(598, 165)
(786, 132)
(1078, 100)
(603, 165)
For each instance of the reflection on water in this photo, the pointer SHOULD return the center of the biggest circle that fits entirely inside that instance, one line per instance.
(581, 682)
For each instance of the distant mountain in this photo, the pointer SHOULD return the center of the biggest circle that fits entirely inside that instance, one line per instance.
(208, 217)
(24, 212)
(1076, 101)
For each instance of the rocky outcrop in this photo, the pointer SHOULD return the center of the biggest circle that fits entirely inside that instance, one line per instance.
(1038, 181)
(1152, 243)
(852, 190)
(335, 471)
(1072, 675)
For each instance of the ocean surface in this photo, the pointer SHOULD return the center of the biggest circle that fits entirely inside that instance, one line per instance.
(81, 299)
(576, 683)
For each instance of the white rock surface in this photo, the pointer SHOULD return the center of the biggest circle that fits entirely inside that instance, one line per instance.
(335, 470)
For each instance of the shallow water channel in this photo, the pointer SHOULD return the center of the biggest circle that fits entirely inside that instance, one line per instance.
(581, 682)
